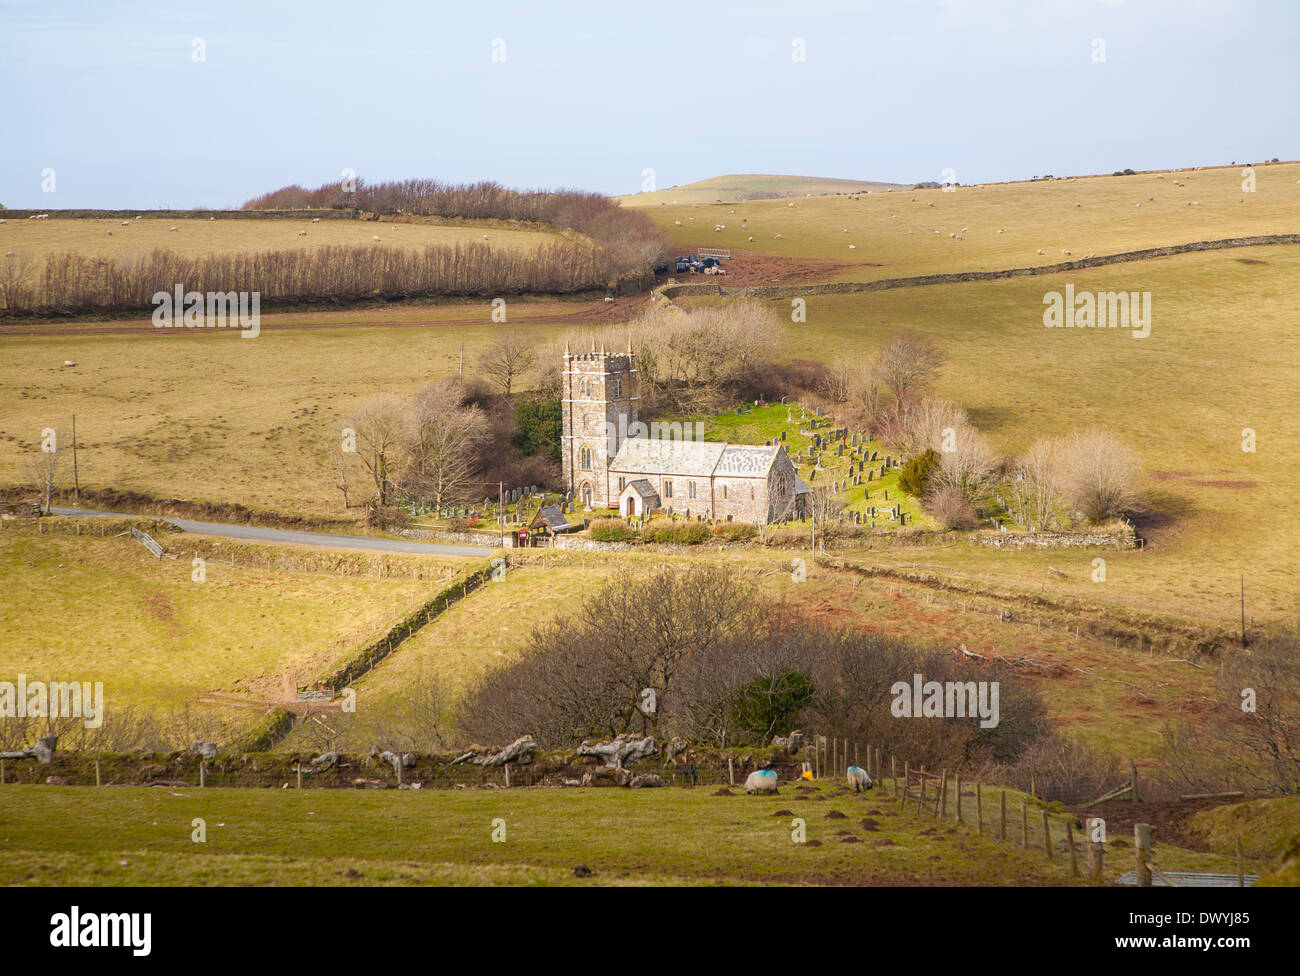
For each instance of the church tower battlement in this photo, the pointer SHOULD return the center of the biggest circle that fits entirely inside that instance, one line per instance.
(598, 405)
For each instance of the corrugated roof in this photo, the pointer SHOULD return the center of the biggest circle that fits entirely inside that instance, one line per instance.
(641, 455)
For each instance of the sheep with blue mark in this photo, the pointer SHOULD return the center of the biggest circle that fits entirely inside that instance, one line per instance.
(859, 780)
(761, 781)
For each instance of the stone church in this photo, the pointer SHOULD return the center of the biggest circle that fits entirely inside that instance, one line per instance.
(612, 460)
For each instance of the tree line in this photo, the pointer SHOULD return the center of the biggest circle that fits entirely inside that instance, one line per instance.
(68, 282)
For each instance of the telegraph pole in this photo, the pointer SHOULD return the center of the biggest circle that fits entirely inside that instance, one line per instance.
(76, 481)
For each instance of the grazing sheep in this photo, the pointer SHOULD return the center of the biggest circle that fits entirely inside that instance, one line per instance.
(110, 233)
(1040, 250)
(126, 223)
(171, 228)
(1000, 230)
(789, 204)
(484, 237)
(139, 216)
(677, 222)
(375, 238)
(953, 236)
(1065, 252)
(965, 229)
(853, 247)
(751, 240)
(315, 220)
(859, 780)
(761, 781)
(302, 233)
(778, 237)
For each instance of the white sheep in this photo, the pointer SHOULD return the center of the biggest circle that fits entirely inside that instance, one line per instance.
(778, 237)
(171, 228)
(751, 240)
(859, 780)
(315, 220)
(302, 233)
(1040, 250)
(126, 223)
(761, 781)
(853, 247)
(375, 238)
(677, 222)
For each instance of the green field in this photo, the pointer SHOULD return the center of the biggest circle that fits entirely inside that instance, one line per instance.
(132, 836)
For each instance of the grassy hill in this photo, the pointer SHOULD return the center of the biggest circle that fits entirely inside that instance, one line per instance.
(749, 186)
(978, 228)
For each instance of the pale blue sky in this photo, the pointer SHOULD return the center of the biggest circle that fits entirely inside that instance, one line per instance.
(590, 94)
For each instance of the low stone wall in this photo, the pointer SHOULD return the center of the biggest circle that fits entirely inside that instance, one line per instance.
(1059, 540)
(489, 540)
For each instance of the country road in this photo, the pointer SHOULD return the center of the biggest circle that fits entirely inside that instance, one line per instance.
(255, 534)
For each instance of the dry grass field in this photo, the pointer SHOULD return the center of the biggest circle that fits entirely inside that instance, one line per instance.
(104, 609)
(915, 232)
(107, 238)
(748, 186)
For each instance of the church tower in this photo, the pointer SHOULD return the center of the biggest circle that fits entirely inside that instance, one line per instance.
(599, 406)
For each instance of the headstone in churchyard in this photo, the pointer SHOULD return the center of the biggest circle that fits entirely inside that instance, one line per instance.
(871, 475)
(819, 411)
(789, 414)
(839, 449)
(782, 435)
(875, 455)
(886, 494)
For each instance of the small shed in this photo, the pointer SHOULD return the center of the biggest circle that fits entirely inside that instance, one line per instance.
(638, 498)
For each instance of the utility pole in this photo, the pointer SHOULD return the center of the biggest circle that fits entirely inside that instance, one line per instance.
(501, 512)
(77, 480)
(1243, 609)
(461, 372)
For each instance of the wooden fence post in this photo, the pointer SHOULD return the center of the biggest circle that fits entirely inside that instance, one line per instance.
(957, 794)
(1133, 779)
(880, 772)
(203, 773)
(96, 772)
(979, 808)
(731, 772)
(1024, 822)
(907, 773)
(1047, 836)
(893, 773)
(300, 773)
(1002, 824)
(1142, 851)
(941, 801)
(1069, 842)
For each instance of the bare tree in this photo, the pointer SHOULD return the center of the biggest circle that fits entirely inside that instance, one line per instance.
(508, 359)
(907, 367)
(380, 424)
(966, 462)
(1101, 474)
(14, 268)
(443, 441)
(44, 467)
(1035, 486)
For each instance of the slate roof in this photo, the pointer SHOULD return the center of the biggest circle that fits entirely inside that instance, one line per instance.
(702, 459)
(554, 518)
(641, 455)
(643, 488)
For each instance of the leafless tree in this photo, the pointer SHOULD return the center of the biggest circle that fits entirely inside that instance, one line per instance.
(508, 359)
(1035, 486)
(443, 439)
(1101, 474)
(381, 430)
(14, 268)
(907, 367)
(45, 466)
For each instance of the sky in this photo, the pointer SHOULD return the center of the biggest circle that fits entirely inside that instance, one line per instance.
(182, 104)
